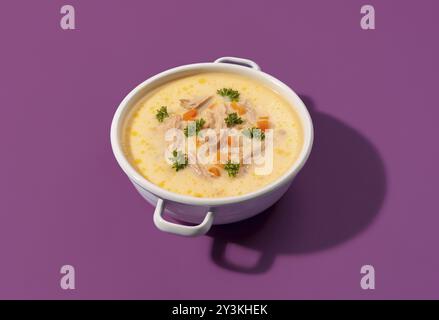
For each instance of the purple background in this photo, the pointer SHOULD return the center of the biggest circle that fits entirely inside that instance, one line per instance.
(367, 196)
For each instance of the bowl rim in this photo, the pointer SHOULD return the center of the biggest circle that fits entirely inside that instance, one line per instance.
(134, 176)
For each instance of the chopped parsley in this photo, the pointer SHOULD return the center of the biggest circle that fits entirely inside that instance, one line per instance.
(233, 95)
(232, 168)
(192, 129)
(254, 133)
(162, 113)
(233, 119)
(179, 160)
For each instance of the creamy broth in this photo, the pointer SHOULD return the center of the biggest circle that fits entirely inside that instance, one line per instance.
(257, 105)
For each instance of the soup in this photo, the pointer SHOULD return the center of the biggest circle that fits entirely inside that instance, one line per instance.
(220, 111)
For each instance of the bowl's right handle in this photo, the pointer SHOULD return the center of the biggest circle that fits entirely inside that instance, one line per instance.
(239, 61)
(188, 231)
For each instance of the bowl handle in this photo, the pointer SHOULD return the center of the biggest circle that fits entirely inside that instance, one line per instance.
(188, 231)
(239, 61)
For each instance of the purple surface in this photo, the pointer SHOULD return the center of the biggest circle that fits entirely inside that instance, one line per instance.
(367, 196)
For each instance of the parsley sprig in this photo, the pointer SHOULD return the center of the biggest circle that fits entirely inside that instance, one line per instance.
(233, 119)
(162, 113)
(179, 160)
(233, 95)
(232, 168)
(189, 130)
(254, 133)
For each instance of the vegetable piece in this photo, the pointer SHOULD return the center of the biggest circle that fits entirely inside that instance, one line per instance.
(162, 113)
(199, 123)
(190, 115)
(237, 107)
(254, 133)
(214, 171)
(218, 160)
(263, 124)
(233, 95)
(179, 160)
(194, 104)
(233, 119)
(232, 168)
(230, 140)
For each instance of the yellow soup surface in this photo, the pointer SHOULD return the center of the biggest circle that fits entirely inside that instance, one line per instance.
(199, 97)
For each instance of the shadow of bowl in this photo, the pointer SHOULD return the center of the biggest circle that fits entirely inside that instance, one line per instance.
(336, 196)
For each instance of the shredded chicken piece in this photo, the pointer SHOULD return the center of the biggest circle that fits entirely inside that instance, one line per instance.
(194, 103)
(215, 120)
(199, 169)
(216, 117)
(173, 121)
(210, 119)
(250, 113)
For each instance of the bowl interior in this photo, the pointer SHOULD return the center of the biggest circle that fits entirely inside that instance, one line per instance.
(139, 92)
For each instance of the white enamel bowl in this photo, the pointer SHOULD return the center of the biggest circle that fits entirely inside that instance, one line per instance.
(203, 212)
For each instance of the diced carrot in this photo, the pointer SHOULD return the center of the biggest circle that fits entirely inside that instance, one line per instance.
(263, 124)
(214, 171)
(190, 114)
(235, 106)
(218, 160)
(229, 140)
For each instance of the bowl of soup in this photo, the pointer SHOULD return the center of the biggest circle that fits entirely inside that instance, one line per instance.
(211, 143)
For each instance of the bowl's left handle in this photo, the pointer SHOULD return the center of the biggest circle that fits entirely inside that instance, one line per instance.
(188, 231)
(239, 61)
